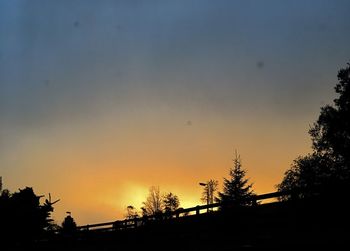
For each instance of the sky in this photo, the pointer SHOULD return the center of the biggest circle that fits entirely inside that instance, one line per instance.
(99, 100)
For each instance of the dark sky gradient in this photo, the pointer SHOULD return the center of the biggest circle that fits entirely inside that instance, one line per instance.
(96, 81)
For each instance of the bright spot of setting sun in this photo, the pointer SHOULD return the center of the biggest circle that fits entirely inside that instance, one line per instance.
(133, 195)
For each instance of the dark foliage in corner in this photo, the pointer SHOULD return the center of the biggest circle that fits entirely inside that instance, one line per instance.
(23, 219)
(328, 167)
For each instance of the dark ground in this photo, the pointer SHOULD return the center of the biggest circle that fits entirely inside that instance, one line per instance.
(312, 223)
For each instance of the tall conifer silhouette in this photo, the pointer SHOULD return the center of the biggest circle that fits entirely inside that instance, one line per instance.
(236, 188)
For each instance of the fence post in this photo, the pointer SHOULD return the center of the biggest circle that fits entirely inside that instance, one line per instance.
(197, 210)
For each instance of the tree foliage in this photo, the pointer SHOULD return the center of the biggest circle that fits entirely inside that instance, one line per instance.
(306, 174)
(157, 203)
(330, 134)
(171, 202)
(236, 188)
(154, 202)
(22, 216)
(69, 227)
(208, 194)
(329, 164)
(131, 212)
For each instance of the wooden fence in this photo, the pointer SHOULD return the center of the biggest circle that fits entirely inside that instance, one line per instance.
(139, 221)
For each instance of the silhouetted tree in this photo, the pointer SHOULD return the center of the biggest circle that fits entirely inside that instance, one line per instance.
(171, 202)
(5, 194)
(331, 133)
(236, 188)
(131, 212)
(154, 202)
(209, 190)
(329, 164)
(306, 174)
(69, 227)
(22, 216)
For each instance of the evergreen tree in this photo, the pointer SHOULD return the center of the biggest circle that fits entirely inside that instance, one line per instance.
(23, 219)
(236, 189)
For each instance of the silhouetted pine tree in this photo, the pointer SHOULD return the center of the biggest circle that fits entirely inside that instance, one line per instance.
(236, 189)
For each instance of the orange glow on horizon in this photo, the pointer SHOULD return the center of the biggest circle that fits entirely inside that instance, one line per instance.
(97, 171)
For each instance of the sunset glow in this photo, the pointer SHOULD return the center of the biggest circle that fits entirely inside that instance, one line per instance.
(98, 102)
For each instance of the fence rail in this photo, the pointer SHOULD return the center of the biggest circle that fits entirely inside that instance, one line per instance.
(180, 213)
